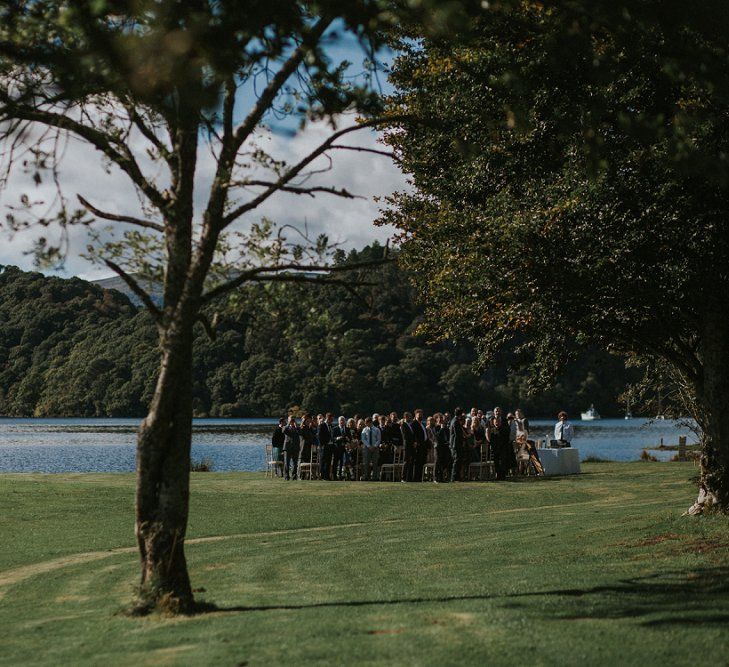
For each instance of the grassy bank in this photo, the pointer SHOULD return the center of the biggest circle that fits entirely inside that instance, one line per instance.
(593, 569)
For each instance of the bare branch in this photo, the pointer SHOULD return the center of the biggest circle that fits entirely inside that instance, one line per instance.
(363, 149)
(136, 118)
(116, 152)
(136, 288)
(139, 222)
(256, 274)
(339, 192)
(298, 168)
(274, 86)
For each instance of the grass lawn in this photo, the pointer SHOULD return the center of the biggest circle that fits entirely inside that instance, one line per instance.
(588, 570)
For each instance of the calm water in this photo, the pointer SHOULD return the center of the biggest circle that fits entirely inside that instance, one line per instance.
(107, 445)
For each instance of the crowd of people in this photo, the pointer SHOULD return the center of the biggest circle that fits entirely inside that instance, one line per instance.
(356, 448)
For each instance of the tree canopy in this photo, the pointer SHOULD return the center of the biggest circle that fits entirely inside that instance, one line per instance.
(570, 172)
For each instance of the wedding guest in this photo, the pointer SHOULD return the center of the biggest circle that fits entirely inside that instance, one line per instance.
(351, 448)
(277, 443)
(432, 433)
(292, 439)
(443, 460)
(339, 435)
(326, 445)
(501, 449)
(468, 449)
(563, 430)
(478, 435)
(519, 426)
(387, 449)
(308, 437)
(421, 444)
(371, 438)
(394, 434)
(407, 431)
(457, 445)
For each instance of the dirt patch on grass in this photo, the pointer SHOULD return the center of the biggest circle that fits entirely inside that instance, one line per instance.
(390, 631)
(657, 539)
(707, 545)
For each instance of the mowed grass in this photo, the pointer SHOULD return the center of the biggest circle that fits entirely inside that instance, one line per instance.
(595, 569)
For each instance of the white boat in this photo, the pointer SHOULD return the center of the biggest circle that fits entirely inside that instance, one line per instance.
(590, 415)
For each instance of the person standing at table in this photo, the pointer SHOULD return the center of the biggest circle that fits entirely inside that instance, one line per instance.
(563, 430)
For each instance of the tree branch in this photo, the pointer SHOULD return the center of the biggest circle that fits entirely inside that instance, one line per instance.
(363, 149)
(298, 168)
(268, 95)
(149, 134)
(102, 142)
(135, 287)
(254, 274)
(298, 190)
(120, 218)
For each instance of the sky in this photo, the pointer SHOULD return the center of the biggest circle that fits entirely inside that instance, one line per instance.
(346, 221)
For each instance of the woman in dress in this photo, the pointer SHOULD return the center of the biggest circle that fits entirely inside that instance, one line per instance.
(479, 439)
(350, 450)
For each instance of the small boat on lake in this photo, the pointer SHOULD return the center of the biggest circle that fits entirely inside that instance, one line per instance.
(590, 415)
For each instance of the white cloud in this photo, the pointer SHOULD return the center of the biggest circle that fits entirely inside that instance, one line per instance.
(344, 220)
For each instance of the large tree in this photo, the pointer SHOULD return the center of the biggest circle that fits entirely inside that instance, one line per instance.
(571, 182)
(150, 85)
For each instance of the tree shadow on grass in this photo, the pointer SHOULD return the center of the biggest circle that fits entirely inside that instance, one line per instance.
(698, 596)
(676, 597)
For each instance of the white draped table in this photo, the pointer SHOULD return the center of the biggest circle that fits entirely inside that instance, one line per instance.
(561, 461)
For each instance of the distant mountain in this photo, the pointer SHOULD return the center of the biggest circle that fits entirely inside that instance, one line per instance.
(116, 283)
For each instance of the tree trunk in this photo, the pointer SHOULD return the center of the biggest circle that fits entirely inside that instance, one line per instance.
(714, 418)
(163, 478)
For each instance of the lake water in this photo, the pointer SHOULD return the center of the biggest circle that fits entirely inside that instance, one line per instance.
(108, 445)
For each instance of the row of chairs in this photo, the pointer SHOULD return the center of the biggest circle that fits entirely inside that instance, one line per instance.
(311, 469)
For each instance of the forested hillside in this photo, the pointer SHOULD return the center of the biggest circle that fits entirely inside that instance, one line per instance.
(71, 348)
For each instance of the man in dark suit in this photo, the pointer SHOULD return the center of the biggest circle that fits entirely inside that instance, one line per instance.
(326, 445)
(407, 431)
(498, 437)
(340, 437)
(421, 444)
(308, 438)
(458, 445)
(443, 460)
(394, 434)
(277, 443)
(292, 444)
